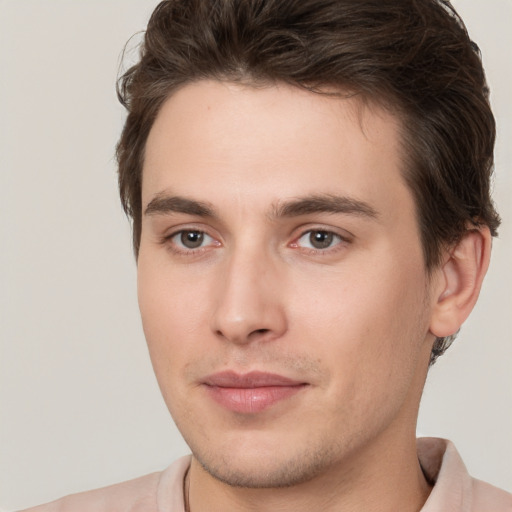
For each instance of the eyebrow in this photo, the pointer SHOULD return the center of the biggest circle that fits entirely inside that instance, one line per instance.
(163, 204)
(323, 203)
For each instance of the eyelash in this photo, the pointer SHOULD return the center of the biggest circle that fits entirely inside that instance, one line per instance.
(342, 241)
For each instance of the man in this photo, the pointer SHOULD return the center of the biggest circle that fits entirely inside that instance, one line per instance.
(309, 188)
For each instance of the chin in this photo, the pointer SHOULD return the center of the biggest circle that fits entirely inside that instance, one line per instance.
(268, 469)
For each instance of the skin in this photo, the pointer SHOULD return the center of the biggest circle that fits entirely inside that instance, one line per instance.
(354, 321)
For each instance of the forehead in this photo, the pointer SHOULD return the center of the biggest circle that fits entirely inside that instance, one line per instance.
(278, 140)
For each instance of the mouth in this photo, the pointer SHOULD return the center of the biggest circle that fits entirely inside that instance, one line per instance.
(252, 392)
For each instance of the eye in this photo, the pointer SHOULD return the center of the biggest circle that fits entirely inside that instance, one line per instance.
(319, 239)
(191, 239)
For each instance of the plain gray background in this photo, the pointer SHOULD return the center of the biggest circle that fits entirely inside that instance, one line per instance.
(79, 405)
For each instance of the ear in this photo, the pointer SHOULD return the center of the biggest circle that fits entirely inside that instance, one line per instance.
(459, 281)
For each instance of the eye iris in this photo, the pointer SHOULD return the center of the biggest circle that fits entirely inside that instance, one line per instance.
(321, 239)
(192, 239)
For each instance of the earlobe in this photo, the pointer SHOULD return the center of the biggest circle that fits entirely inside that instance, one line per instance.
(460, 281)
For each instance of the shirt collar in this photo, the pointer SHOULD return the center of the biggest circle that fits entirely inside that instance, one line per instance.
(443, 467)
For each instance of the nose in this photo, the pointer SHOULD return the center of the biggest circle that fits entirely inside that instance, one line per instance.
(248, 299)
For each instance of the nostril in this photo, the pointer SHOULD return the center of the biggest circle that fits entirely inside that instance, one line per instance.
(255, 333)
(261, 331)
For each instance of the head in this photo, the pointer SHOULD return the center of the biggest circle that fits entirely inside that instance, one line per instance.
(406, 65)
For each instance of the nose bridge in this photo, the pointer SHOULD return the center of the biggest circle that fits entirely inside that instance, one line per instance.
(248, 304)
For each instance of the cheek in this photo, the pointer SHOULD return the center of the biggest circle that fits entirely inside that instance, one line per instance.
(364, 322)
(373, 300)
(168, 296)
(172, 314)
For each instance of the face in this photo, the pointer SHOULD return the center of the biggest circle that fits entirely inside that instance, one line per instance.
(281, 279)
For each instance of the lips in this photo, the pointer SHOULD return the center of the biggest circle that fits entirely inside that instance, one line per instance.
(252, 392)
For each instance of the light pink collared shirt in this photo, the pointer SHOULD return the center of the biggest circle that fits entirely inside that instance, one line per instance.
(454, 489)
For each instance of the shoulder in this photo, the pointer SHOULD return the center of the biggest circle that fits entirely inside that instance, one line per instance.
(162, 491)
(487, 498)
(136, 495)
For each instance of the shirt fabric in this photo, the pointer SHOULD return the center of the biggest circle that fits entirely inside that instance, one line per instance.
(454, 489)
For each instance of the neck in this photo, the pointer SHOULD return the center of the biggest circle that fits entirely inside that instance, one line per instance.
(383, 477)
